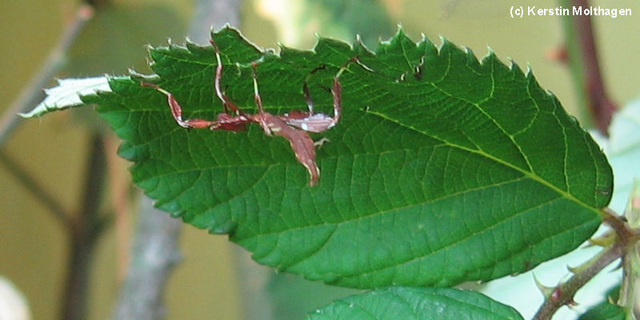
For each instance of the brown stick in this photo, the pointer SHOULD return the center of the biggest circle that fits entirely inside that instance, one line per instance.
(86, 228)
(563, 294)
(601, 106)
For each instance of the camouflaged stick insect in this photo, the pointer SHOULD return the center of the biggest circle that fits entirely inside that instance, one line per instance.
(292, 126)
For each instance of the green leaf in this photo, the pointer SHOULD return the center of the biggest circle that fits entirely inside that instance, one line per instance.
(607, 309)
(442, 169)
(415, 303)
(604, 311)
(291, 296)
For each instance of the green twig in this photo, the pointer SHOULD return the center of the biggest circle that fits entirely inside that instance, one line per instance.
(617, 246)
(563, 294)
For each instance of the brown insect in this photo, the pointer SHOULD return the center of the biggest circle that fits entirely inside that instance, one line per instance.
(292, 126)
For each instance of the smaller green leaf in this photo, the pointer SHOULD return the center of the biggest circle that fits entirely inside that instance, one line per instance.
(415, 303)
(606, 310)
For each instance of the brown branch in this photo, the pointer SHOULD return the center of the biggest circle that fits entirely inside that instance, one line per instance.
(563, 294)
(87, 226)
(598, 101)
(617, 246)
(624, 234)
(584, 63)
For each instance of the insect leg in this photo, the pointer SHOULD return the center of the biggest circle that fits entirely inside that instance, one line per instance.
(307, 92)
(176, 111)
(226, 102)
(336, 91)
(302, 145)
(262, 118)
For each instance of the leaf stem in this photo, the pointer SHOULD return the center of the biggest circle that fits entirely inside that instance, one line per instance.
(624, 234)
(563, 293)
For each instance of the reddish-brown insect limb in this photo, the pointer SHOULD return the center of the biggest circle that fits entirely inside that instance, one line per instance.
(226, 102)
(320, 122)
(293, 126)
(261, 117)
(305, 87)
(337, 99)
(224, 121)
(176, 110)
(302, 145)
(307, 96)
(230, 123)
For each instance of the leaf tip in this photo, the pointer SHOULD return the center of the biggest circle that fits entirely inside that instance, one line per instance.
(68, 94)
(227, 31)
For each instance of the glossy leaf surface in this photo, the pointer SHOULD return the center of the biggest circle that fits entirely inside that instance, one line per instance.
(443, 169)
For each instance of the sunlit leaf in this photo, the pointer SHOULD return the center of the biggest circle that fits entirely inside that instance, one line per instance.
(443, 169)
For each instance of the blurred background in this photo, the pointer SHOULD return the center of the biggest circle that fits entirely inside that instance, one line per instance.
(47, 158)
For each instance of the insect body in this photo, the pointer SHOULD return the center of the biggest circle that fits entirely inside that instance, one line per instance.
(292, 126)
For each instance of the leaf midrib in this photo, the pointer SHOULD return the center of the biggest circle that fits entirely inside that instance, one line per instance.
(488, 156)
